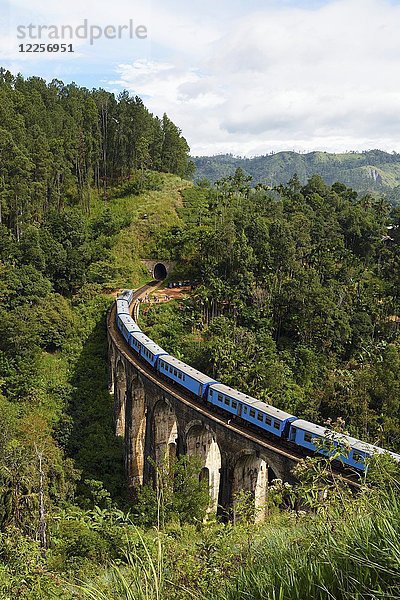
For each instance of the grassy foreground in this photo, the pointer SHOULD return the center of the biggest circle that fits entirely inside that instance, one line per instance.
(348, 551)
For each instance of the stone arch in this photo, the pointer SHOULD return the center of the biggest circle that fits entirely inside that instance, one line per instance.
(165, 433)
(251, 474)
(160, 271)
(135, 432)
(201, 442)
(120, 389)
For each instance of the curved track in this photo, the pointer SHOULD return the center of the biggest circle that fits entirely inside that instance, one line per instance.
(180, 395)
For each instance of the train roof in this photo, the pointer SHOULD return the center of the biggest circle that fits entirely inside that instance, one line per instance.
(198, 375)
(128, 321)
(253, 402)
(148, 343)
(340, 437)
(125, 295)
(122, 304)
(310, 427)
(122, 301)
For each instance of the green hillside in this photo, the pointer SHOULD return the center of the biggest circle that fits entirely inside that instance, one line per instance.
(295, 300)
(374, 171)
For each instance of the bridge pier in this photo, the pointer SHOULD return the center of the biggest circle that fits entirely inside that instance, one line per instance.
(165, 434)
(135, 433)
(225, 488)
(120, 399)
(251, 475)
(201, 443)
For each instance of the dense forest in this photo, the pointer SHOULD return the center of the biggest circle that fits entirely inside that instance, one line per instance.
(60, 142)
(369, 171)
(295, 299)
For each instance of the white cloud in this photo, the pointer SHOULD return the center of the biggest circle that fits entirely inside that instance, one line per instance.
(286, 78)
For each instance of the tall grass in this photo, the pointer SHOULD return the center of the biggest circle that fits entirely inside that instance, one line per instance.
(352, 552)
(141, 578)
(354, 556)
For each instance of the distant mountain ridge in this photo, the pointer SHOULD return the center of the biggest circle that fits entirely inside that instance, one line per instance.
(372, 170)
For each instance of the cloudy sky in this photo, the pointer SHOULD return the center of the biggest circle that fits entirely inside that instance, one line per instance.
(241, 76)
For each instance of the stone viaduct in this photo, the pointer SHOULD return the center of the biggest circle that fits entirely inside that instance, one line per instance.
(160, 421)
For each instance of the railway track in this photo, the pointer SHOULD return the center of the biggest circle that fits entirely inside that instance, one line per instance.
(201, 409)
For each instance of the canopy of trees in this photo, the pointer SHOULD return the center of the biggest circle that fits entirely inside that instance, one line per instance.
(59, 142)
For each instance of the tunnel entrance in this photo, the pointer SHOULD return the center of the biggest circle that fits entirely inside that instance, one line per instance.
(160, 271)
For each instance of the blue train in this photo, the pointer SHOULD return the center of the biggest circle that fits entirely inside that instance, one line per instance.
(276, 422)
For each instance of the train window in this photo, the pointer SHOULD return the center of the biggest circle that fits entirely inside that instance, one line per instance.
(220, 398)
(260, 417)
(277, 425)
(252, 412)
(175, 373)
(170, 369)
(308, 437)
(211, 392)
(234, 404)
(226, 400)
(268, 420)
(245, 409)
(357, 456)
(184, 376)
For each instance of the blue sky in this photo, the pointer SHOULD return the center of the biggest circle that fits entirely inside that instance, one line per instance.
(241, 76)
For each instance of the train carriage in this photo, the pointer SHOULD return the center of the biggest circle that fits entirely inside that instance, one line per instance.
(355, 452)
(127, 326)
(145, 347)
(126, 295)
(250, 409)
(189, 378)
(123, 307)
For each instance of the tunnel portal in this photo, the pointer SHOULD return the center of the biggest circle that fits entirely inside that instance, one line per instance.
(160, 271)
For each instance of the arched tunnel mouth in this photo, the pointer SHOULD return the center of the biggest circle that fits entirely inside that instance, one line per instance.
(160, 271)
